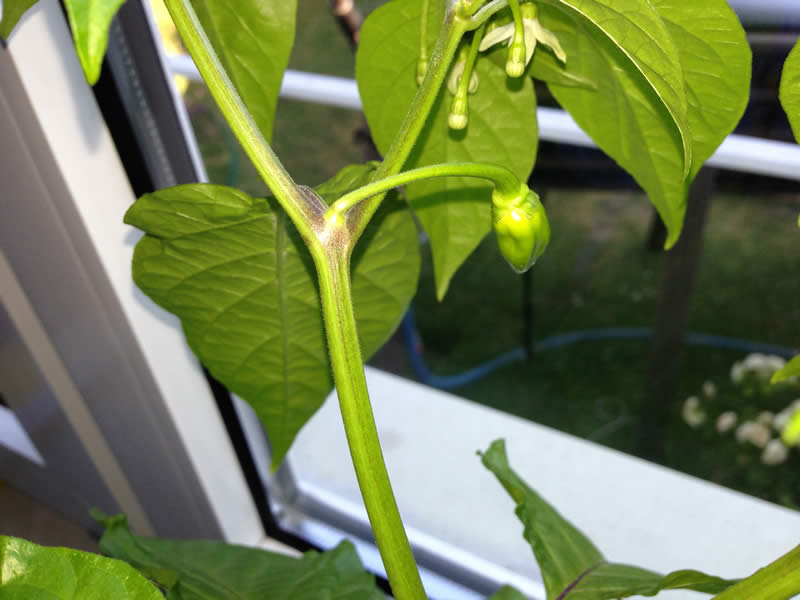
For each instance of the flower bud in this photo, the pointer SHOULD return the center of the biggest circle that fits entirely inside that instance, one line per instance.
(521, 226)
(516, 61)
(459, 113)
(422, 68)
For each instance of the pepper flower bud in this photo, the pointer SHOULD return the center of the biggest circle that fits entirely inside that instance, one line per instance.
(521, 226)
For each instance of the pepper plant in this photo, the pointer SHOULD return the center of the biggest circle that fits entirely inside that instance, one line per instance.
(284, 297)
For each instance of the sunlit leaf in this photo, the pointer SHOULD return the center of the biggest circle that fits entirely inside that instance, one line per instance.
(792, 369)
(790, 89)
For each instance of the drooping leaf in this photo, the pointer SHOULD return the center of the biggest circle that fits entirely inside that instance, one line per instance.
(572, 567)
(253, 40)
(792, 369)
(790, 89)
(12, 13)
(612, 581)
(562, 551)
(236, 272)
(717, 64)
(29, 571)
(205, 570)
(502, 129)
(90, 21)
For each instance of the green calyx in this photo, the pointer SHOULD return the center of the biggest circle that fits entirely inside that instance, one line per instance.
(521, 226)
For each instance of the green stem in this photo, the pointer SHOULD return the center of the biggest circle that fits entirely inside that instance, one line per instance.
(505, 180)
(450, 35)
(333, 267)
(516, 13)
(779, 580)
(298, 206)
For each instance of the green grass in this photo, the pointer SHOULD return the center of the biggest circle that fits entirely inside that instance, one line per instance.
(596, 273)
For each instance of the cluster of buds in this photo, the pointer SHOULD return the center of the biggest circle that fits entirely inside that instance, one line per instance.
(521, 36)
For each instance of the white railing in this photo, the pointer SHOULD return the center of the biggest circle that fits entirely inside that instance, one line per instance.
(746, 154)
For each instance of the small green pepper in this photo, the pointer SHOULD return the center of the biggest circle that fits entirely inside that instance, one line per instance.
(521, 226)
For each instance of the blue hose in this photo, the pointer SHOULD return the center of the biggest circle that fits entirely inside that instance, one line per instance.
(450, 382)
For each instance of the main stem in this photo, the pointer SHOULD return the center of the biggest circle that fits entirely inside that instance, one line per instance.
(333, 267)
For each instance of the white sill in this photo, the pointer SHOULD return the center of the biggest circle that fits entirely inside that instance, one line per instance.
(636, 512)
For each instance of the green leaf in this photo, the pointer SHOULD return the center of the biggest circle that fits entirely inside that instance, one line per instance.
(628, 120)
(572, 567)
(90, 21)
(779, 580)
(253, 41)
(792, 369)
(790, 89)
(717, 64)
(29, 571)
(546, 67)
(454, 212)
(243, 284)
(205, 570)
(611, 581)
(636, 32)
(12, 13)
(562, 551)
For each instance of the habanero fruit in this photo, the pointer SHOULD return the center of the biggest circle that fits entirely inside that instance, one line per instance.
(521, 226)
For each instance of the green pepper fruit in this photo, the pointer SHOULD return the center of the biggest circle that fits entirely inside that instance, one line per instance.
(521, 226)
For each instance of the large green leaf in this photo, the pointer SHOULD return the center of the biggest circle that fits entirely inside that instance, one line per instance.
(717, 65)
(635, 30)
(792, 369)
(454, 212)
(790, 89)
(12, 13)
(204, 570)
(239, 277)
(572, 567)
(90, 21)
(32, 572)
(627, 119)
(253, 40)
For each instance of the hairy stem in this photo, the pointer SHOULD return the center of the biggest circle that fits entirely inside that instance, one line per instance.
(450, 35)
(333, 267)
(501, 177)
(293, 201)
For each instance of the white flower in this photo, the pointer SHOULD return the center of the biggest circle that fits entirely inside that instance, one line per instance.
(765, 418)
(752, 432)
(737, 372)
(726, 421)
(774, 453)
(693, 413)
(709, 389)
(533, 33)
(455, 77)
